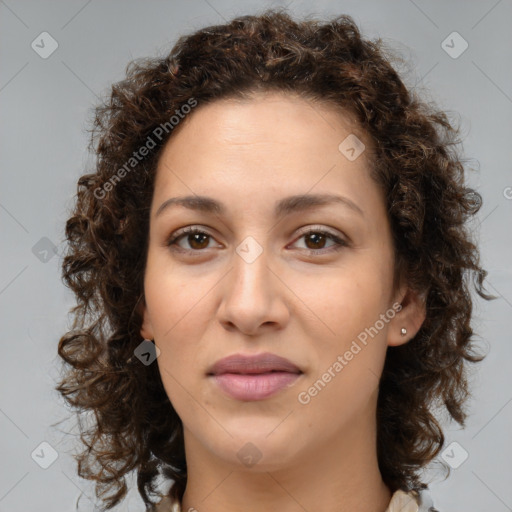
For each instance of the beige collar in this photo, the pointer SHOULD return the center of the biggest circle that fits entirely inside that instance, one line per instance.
(403, 502)
(400, 502)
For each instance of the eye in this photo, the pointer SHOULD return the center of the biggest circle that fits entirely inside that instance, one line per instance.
(315, 239)
(197, 239)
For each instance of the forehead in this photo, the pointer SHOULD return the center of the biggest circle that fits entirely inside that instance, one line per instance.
(270, 142)
(269, 117)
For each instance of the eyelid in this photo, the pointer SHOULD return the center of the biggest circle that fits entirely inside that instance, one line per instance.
(194, 228)
(315, 228)
(340, 240)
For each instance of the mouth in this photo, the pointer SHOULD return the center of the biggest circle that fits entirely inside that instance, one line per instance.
(254, 377)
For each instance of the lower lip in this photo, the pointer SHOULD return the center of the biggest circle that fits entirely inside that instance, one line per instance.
(254, 386)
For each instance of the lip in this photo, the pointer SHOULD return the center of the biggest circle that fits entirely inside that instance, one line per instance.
(254, 377)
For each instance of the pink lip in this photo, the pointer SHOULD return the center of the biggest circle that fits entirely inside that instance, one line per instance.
(254, 377)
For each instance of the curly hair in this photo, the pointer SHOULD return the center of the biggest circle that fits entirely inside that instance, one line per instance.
(415, 162)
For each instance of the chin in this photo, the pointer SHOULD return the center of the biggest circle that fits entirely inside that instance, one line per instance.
(258, 445)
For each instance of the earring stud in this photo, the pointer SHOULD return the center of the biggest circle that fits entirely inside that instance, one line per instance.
(403, 331)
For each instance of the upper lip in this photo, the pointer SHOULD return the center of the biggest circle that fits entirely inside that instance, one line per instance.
(253, 364)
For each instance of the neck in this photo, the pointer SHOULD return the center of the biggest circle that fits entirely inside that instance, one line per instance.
(339, 474)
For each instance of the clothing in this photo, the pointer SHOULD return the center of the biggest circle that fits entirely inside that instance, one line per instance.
(400, 502)
(411, 502)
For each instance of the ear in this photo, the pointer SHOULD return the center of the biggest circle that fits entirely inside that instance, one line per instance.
(410, 317)
(146, 330)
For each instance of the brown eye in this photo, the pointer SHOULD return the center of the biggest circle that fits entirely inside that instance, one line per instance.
(316, 239)
(197, 239)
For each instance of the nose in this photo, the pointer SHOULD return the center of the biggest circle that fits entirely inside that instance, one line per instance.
(254, 297)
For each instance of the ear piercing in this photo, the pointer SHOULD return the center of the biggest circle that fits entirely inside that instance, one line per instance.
(403, 332)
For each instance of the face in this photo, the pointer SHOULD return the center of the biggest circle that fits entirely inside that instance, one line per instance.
(307, 280)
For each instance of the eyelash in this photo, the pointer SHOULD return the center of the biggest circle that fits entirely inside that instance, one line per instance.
(340, 243)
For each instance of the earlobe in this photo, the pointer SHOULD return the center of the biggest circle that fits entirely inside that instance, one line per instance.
(408, 321)
(146, 330)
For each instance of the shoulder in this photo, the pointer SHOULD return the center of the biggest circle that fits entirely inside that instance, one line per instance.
(426, 503)
(411, 502)
(166, 505)
(400, 502)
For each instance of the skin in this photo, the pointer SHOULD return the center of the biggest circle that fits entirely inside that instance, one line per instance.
(300, 304)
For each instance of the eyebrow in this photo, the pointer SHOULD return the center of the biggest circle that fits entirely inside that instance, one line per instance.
(285, 206)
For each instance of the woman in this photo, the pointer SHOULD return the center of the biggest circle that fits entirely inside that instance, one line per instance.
(271, 263)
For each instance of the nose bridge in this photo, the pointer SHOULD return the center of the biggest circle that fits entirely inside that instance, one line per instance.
(250, 272)
(251, 297)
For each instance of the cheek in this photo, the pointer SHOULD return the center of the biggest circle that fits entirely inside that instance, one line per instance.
(350, 359)
(174, 304)
(348, 299)
(173, 296)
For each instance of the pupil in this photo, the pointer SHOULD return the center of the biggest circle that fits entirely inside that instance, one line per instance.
(196, 237)
(316, 236)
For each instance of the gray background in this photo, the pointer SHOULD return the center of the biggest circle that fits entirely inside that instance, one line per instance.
(45, 104)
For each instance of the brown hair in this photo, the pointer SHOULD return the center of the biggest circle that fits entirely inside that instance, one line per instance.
(135, 426)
